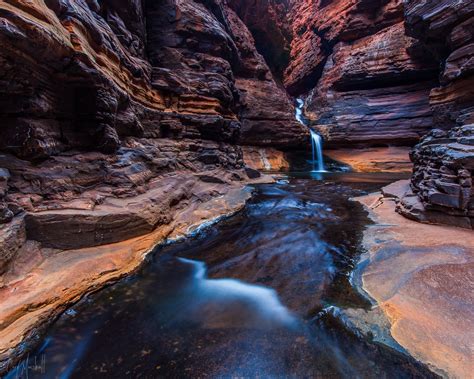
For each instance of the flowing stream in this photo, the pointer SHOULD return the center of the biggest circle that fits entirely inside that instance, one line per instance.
(251, 296)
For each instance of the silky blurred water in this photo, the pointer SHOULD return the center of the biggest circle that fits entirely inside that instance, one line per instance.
(247, 297)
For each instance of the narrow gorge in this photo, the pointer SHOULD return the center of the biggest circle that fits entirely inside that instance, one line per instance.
(236, 188)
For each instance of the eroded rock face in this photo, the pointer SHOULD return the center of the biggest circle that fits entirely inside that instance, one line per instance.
(78, 74)
(83, 76)
(319, 25)
(368, 81)
(354, 58)
(372, 69)
(270, 26)
(373, 92)
(445, 28)
(101, 102)
(441, 186)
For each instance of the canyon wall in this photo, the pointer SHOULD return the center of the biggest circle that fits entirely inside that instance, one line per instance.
(367, 81)
(100, 99)
(127, 90)
(122, 122)
(441, 185)
(388, 72)
(96, 74)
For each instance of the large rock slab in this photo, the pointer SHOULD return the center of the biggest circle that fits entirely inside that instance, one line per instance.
(113, 220)
(421, 277)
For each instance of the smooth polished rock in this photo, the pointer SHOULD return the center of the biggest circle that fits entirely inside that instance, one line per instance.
(424, 285)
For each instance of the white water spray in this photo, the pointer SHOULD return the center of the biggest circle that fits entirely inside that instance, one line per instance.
(316, 140)
(317, 147)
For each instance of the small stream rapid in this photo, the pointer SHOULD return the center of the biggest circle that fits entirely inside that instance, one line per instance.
(247, 297)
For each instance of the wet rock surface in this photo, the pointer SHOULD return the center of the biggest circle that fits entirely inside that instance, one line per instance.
(48, 275)
(261, 307)
(424, 285)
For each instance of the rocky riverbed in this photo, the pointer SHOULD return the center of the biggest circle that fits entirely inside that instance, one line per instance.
(257, 294)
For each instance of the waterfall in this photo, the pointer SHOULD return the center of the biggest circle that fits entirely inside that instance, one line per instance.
(316, 140)
(317, 146)
(299, 111)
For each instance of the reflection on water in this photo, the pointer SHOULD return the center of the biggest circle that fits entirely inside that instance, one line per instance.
(260, 305)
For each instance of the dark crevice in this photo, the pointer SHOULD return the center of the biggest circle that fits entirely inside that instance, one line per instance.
(362, 83)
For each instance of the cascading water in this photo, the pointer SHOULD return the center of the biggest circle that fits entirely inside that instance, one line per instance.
(316, 140)
(317, 147)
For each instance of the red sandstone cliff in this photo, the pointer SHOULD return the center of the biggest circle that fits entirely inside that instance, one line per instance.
(175, 85)
(122, 69)
(371, 73)
(108, 100)
(367, 81)
(444, 159)
(121, 126)
(121, 118)
(124, 77)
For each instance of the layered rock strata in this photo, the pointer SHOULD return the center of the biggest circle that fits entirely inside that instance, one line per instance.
(121, 124)
(100, 100)
(368, 81)
(441, 185)
(317, 26)
(373, 92)
(270, 26)
(99, 73)
(372, 69)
